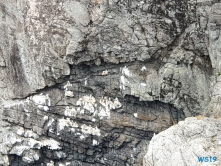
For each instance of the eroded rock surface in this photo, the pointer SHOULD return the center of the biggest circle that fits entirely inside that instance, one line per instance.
(99, 125)
(183, 143)
(89, 82)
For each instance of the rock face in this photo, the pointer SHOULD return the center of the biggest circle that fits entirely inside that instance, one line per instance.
(89, 82)
(183, 143)
(98, 125)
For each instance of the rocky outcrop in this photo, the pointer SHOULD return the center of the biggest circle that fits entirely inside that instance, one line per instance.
(185, 143)
(89, 82)
(98, 125)
(48, 39)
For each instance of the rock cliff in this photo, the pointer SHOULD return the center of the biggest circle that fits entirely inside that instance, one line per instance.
(89, 82)
(185, 142)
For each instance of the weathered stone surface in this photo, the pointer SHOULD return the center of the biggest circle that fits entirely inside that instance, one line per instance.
(183, 143)
(89, 82)
(100, 129)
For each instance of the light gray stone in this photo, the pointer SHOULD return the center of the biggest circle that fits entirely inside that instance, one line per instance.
(183, 143)
(77, 11)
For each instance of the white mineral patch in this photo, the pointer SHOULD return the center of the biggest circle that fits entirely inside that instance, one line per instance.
(126, 71)
(49, 101)
(89, 107)
(96, 131)
(30, 134)
(95, 113)
(43, 108)
(85, 81)
(26, 110)
(135, 115)
(90, 130)
(82, 137)
(79, 102)
(50, 122)
(89, 99)
(143, 68)
(67, 85)
(62, 123)
(12, 104)
(50, 164)
(85, 100)
(40, 107)
(168, 21)
(82, 111)
(41, 99)
(18, 150)
(103, 101)
(95, 142)
(27, 100)
(104, 73)
(51, 130)
(108, 105)
(102, 113)
(66, 122)
(86, 129)
(46, 108)
(89, 103)
(122, 80)
(117, 104)
(51, 143)
(45, 117)
(33, 143)
(20, 131)
(69, 93)
(74, 125)
(70, 112)
(143, 84)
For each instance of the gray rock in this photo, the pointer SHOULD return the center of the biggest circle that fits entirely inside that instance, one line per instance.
(134, 68)
(183, 143)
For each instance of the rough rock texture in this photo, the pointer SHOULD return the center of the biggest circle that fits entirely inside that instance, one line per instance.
(98, 125)
(41, 40)
(89, 82)
(183, 143)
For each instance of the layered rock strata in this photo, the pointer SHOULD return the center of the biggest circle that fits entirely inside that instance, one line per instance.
(90, 82)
